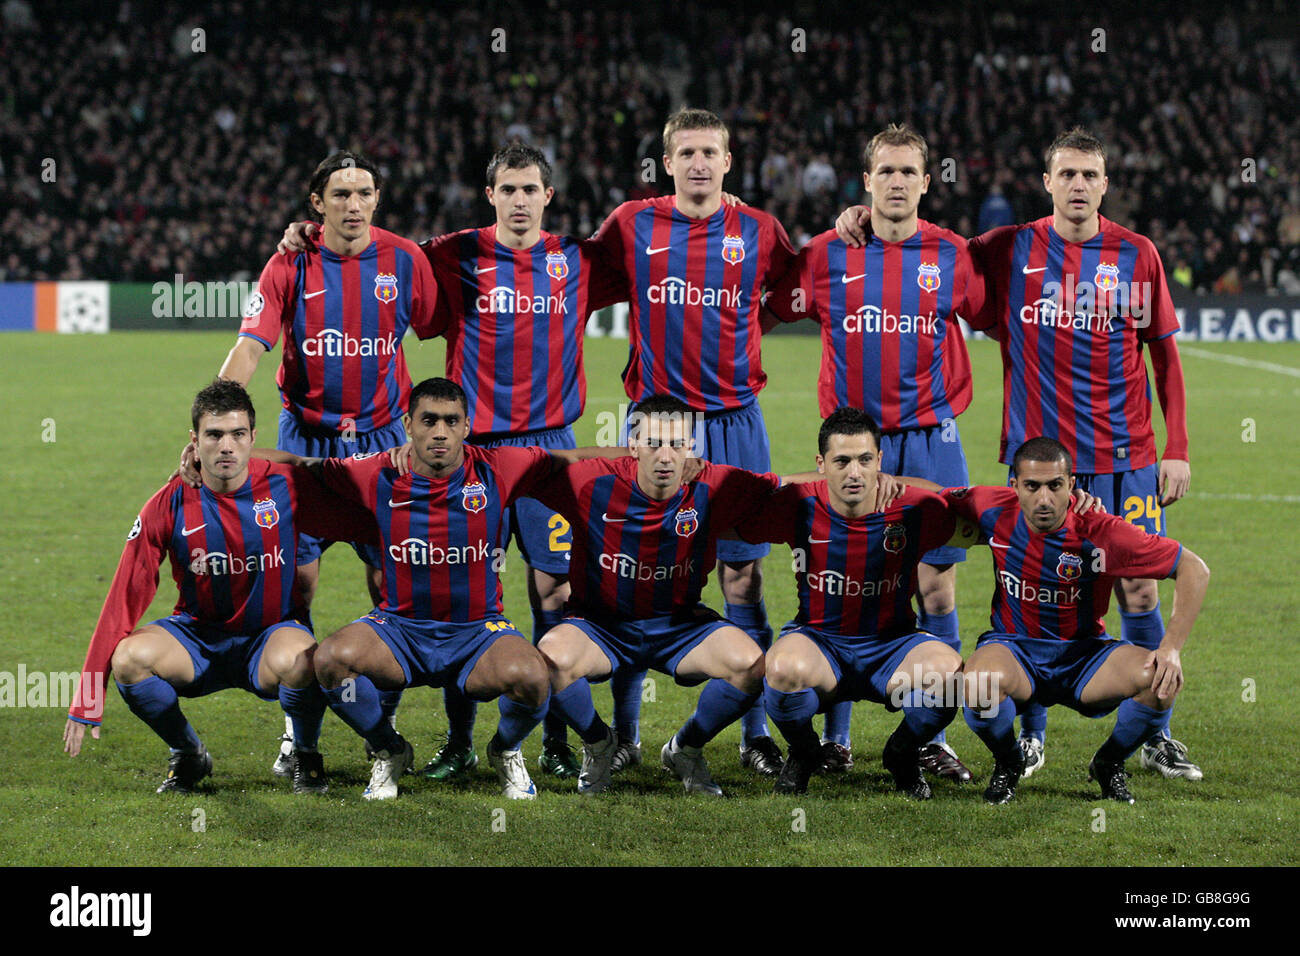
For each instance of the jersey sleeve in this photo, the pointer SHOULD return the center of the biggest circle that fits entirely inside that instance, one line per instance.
(520, 470)
(353, 478)
(1132, 553)
(325, 514)
(781, 258)
(265, 311)
(134, 585)
(942, 526)
(777, 521)
(607, 282)
(439, 253)
(559, 492)
(973, 288)
(609, 237)
(990, 257)
(736, 493)
(1158, 318)
(424, 298)
(791, 298)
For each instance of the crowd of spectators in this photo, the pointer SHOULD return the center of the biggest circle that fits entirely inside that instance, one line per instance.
(141, 140)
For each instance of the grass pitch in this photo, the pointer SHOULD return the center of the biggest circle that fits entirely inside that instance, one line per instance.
(95, 424)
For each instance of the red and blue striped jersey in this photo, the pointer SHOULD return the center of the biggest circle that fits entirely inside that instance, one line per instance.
(888, 313)
(443, 540)
(634, 557)
(855, 576)
(232, 555)
(695, 290)
(343, 320)
(1058, 585)
(514, 322)
(1072, 318)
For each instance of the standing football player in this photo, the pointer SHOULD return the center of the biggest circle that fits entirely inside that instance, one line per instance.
(696, 269)
(891, 345)
(343, 307)
(231, 542)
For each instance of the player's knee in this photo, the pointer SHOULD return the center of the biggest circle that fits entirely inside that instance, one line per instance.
(133, 660)
(747, 669)
(296, 665)
(525, 679)
(1138, 595)
(786, 673)
(560, 657)
(334, 661)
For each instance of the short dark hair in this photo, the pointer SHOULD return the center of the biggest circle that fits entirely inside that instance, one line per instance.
(438, 390)
(1042, 449)
(1075, 138)
(331, 164)
(222, 396)
(847, 420)
(661, 407)
(518, 156)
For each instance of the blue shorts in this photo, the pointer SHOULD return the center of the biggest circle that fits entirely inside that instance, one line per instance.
(862, 665)
(436, 653)
(221, 659)
(1058, 671)
(737, 438)
(1131, 495)
(312, 442)
(543, 536)
(656, 642)
(935, 454)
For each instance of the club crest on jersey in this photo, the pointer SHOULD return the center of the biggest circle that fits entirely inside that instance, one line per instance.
(895, 538)
(928, 277)
(733, 249)
(474, 497)
(385, 287)
(1107, 277)
(264, 513)
(1069, 567)
(688, 522)
(557, 266)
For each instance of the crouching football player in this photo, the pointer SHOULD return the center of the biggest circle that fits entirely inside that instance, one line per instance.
(231, 542)
(1055, 573)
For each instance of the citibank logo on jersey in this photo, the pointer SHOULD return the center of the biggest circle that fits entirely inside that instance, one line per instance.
(626, 566)
(872, 320)
(331, 343)
(1089, 307)
(835, 584)
(505, 301)
(1019, 590)
(674, 291)
(218, 562)
(420, 553)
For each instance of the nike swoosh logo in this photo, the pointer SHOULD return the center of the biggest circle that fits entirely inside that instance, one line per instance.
(479, 272)
(847, 279)
(399, 504)
(186, 532)
(1028, 271)
(612, 520)
(651, 252)
(819, 540)
(998, 544)
(312, 295)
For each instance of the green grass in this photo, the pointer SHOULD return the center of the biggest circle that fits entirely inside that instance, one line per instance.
(119, 407)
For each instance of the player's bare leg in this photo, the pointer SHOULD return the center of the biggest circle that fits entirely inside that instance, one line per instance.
(515, 672)
(151, 665)
(937, 586)
(735, 663)
(571, 658)
(994, 683)
(1139, 606)
(288, 665)
(798, 678)
(742, 590)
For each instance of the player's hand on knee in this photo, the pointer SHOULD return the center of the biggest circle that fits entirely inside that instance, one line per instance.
(189, 466)
(853, 225)
(400, 458)
(73, 733)
(1167, 677)
(297, 237)
(1175, 479)
(1084, 502)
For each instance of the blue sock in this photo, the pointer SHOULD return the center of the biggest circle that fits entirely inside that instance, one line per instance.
(156, 702)
(461, 710)
(998, 731)
(1135, 724)
(358, 705)
(517, 722)
(388, 701)
(626, 687)
(555, 732)
(1146, 629)
(575, 706)
(838, 717)
(945, 628)
(306, 709)
(719, 704)
(1033, 721)
(792, 713)
(923, 722)
(752, 619)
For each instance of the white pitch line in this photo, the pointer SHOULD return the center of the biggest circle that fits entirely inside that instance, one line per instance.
(1238, 360)
(1225, 496)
